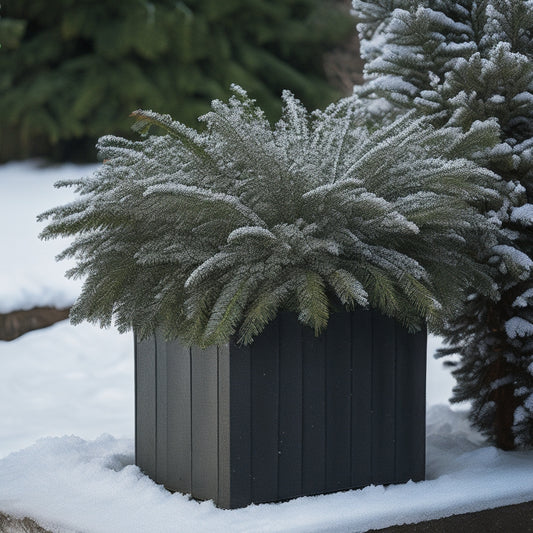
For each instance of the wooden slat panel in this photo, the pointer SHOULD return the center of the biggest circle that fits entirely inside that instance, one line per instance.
(145, 406)
(223, 498)
(418, 373)
(240, 426)
(266, 421)
(204, 421)
(361, 425)
(314, 413)
(179, 458)
(410, 405)
(290, 407)
(383, 396)
(161, 424)
(265, 393)
(338, 403)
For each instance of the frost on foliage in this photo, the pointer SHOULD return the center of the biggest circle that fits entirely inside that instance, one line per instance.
(513, 260)
(523, 214)
(209, 234)
(524, 299)
(518, 327)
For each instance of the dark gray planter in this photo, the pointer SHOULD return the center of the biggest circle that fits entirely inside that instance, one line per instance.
(287, 416)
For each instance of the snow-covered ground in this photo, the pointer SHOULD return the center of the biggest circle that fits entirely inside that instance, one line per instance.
(29, 276)
(66, 386)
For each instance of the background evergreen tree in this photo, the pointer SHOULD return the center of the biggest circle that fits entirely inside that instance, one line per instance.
(209, 234)
(71, 71)
(459, 62)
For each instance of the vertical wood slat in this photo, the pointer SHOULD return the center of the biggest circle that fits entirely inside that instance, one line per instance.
(145, 406)
(179, 458)
(290, 407)
(265, 394)
(161, 425)
(204, 422)
(417, 382)
(223, 498)
(338, 403)
(361, 420)
(410, 405)
(314, 413)
(383, 395)
(240, 426)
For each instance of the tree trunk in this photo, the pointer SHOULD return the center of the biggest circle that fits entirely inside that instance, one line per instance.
(503, 396)
(506, 404)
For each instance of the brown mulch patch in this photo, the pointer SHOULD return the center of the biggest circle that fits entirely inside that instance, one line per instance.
(9, 524)
(16, 323)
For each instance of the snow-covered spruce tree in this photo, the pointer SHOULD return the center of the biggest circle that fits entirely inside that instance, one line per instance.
(210, 234)
(458, 62)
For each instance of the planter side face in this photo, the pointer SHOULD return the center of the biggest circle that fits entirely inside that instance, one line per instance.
(290, 415)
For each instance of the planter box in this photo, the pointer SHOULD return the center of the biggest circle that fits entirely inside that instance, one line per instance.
(290, 415)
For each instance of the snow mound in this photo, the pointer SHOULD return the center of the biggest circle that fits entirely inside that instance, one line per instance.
(29, 274)
(69, 484)
(65, 379)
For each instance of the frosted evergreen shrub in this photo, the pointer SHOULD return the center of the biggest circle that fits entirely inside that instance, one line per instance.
(209, 234)
(458, 62)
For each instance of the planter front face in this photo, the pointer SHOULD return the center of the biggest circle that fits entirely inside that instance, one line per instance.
(290, 415)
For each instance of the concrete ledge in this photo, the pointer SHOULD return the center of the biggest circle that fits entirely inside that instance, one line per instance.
(509, 519)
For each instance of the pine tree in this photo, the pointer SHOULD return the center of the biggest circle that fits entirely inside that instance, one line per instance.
(458, 63)
(71, 72)
(209, 234)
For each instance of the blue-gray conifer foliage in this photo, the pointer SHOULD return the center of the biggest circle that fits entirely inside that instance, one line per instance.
(210, 233)
(457, 63)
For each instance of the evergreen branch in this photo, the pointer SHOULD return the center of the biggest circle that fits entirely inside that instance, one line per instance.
(227, 312)
(348, 288)
(189, 138)
(206, 195)
(263, 310)
(312, 300)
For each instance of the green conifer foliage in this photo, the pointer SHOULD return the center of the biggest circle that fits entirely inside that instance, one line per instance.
(209, 234)
(458, 63)
(72, 71)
